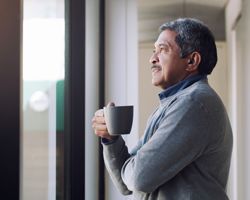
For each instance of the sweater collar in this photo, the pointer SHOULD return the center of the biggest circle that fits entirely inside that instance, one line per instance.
(181, 85)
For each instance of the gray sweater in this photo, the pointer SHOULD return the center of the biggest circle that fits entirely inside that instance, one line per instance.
(185, 152)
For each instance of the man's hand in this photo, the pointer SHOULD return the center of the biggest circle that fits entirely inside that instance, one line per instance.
(99, 124)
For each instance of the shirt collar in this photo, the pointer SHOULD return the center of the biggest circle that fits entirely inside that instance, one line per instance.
(181, 85)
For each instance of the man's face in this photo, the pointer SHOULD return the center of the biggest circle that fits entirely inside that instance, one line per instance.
(167, 66)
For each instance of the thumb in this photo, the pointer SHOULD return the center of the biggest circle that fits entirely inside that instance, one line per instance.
(110, 104)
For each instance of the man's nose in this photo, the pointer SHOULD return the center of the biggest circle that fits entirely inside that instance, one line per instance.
(154, 58)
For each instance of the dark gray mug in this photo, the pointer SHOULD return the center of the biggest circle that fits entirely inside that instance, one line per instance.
(118, 119)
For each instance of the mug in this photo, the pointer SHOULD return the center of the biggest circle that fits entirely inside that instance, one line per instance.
(119, 119)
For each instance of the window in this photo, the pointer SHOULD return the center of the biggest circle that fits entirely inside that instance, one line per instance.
(43, 100)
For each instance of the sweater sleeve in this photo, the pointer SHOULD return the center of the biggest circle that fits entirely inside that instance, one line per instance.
(181, 137)
(115, 154)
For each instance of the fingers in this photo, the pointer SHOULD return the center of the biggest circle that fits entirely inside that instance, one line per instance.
(99, 113)
(101, 130)
(99, 124)
(99, 127)
(99, 117)
(102, 134)
(99, 120)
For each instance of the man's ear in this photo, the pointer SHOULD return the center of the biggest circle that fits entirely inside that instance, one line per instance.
(193, 61)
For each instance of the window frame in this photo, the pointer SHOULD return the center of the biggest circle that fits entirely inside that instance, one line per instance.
(10, 78)
(74, 136)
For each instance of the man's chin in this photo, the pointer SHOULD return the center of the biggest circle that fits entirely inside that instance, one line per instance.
(158, 84)
(155, 83)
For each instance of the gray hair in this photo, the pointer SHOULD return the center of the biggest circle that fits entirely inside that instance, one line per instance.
(194, 35)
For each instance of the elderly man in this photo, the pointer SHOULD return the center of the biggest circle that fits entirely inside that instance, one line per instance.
(185, 151)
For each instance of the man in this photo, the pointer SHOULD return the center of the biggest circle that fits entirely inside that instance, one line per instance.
(186, 148)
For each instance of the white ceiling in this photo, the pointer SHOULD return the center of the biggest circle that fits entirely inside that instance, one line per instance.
(152, 13)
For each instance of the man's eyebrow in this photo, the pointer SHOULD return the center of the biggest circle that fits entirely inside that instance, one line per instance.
(164, 44)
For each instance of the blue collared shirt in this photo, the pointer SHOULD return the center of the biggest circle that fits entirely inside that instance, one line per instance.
(180, 85)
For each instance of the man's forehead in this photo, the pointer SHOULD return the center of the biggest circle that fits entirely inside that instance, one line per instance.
(166, 37)
(163, 43)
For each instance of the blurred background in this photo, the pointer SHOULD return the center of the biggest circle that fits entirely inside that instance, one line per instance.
(62, 60)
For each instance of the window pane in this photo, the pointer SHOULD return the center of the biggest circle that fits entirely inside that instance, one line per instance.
(43, 95)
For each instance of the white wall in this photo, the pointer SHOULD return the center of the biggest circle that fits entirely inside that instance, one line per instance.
(121, 67)
(238, 31)
(148, 94)
(219, 77)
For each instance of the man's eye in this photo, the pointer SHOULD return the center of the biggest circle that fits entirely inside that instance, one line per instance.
(163, 49)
